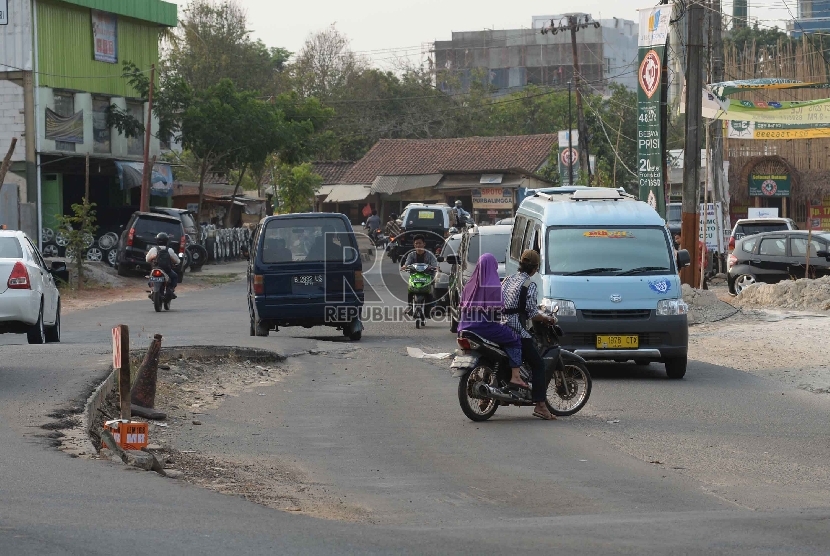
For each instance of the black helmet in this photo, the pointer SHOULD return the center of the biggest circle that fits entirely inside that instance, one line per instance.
(458, 202)
(161, 239)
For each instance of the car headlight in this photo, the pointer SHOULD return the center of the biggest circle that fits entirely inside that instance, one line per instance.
(566, 307)
(672, 307)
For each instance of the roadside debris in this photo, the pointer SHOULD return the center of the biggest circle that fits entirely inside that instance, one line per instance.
(420, 354)
(804, 294)
(704, 306)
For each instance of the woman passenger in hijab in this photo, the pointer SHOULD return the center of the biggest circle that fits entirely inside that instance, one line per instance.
(481, 303)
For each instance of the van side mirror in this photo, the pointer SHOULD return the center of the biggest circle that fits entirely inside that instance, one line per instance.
(683, 258)
(440, 259)
(825, 254)
(451, 259)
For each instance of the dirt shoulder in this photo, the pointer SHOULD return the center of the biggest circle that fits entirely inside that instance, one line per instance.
(105, 287)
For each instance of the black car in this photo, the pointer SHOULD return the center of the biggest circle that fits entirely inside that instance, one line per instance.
(186, 216)
(139, 236)
(775, 256)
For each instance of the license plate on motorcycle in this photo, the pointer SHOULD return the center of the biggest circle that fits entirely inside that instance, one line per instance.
(157, 278)
(631, 341)
(464, 362)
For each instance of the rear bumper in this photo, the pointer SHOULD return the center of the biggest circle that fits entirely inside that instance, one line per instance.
(299, 312)
(664, 337)
(19, 309)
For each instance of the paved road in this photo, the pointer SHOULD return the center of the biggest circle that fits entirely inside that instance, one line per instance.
(721, 462)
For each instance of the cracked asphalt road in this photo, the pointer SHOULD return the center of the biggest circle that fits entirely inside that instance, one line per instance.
(721, 462)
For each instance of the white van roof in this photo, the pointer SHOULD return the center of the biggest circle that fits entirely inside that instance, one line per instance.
(597, 207)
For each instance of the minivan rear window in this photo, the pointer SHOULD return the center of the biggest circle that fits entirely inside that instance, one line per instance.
(751, 229)
(10, 248)
(307, 240)
(146, 227)
(429, 218)
(608, 251)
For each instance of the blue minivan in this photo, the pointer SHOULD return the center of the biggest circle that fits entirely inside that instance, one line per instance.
(305, 270)
(608, 263)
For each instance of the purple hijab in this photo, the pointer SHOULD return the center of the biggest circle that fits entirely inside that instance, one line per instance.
(484, 288)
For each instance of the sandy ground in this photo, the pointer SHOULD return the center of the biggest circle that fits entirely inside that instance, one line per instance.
(105, 286)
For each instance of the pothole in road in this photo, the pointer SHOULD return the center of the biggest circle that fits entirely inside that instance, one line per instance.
(192, 385)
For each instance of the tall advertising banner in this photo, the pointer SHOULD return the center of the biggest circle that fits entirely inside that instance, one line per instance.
(651, 77)
(568, 156)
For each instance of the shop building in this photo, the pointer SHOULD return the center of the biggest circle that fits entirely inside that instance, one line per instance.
(61, 64)
(490, 175)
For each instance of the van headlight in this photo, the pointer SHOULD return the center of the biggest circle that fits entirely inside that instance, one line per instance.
(667, 307)
(566, 307)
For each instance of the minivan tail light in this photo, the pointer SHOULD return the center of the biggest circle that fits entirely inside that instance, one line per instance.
(182, 244)
(19, 278)
(730, 262)
(130, 237)
(732, 242)
(259, 284)
(358, 280)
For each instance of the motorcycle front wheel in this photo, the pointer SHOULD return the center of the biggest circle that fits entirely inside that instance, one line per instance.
(477, 409)
(569, 389)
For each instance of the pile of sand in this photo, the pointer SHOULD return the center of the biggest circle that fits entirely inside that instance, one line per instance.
(803, 294)
(704, 306)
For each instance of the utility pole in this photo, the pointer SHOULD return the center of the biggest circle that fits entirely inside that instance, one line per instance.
(575, 23)
(570, 140)
(691, 154)
(716, 126)
(148, 170)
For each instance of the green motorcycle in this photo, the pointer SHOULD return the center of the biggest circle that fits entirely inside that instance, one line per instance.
(421, 286)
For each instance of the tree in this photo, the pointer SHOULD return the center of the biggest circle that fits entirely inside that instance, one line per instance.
(213, 43)
(325, 65)
(297, 185)
(78, 229)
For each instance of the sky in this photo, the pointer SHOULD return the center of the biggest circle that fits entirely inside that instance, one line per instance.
(385, 30)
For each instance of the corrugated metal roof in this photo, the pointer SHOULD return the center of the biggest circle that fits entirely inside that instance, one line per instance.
(324, 190)
(397, 184)
(16, 38)
(163, 13)
(347, 193)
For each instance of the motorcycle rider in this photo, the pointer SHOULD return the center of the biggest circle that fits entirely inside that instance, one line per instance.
(165, 258)
(462, 216)
(520, 306)
(392, 227)
(373, 224)
(418, 255)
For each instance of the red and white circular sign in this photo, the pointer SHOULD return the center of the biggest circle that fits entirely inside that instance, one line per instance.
(569, 156)
(649, 74)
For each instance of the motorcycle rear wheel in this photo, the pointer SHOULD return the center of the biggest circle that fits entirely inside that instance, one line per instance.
(474, 408)
(572, 393)
(157, 300)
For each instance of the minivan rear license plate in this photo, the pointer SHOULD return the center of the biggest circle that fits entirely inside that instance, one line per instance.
(308, 280)
(618, 342)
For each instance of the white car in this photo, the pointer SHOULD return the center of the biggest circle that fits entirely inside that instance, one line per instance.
(29, 299)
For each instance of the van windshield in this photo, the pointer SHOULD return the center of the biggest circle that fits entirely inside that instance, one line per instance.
(608, 251)
(307, 240)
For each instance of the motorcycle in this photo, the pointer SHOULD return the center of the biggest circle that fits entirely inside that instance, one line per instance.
(160, 294)
(378, 238)
(421, 284)
(483, 369)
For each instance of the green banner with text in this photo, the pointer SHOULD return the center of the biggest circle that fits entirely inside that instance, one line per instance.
(653, 36)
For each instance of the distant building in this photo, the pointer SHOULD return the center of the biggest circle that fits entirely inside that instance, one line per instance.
(513, 58)
(813, 17)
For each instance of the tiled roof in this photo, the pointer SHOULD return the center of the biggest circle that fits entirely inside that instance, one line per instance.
(401, 157)
(332, 171)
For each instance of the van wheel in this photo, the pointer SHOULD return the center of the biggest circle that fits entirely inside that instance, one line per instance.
(356, 336)
(121, 269)
(676, 368)
(252, 328)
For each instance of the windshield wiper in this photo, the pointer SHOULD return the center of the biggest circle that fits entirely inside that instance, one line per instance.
(641, 269)
(589, 271)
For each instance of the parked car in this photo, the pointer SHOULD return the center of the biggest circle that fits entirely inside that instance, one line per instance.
(505, 222)
(195, 255)
(305, 270)
(443, 276)
(485, 239)
(139, 236)
(751, 226)
(30, 302)
(674, 217)
(775, 256)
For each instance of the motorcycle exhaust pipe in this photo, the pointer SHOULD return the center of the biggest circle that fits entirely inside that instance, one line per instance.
(487, 391)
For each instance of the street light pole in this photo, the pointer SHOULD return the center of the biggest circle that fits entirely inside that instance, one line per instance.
(570, 140)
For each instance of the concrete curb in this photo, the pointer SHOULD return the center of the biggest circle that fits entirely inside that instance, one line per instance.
(99, 395)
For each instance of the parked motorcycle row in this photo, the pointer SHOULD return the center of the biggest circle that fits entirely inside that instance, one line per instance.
(224, 244)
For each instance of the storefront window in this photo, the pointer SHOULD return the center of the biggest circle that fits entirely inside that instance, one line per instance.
(64, 106)
(100, 130)
(135, 145)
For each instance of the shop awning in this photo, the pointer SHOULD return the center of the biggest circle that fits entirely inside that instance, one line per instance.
(462, 181)
(344, 193)
(161, 182)
(324, 190)
(397, 184)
